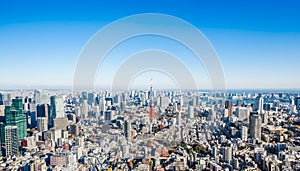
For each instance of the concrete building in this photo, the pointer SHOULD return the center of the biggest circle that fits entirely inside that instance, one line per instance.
(11, 140)
(191, 112)
(255, 127)
(244, 133)
(42, 124)
(41, 96)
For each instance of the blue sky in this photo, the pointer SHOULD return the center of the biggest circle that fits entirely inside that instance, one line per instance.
(258, 42)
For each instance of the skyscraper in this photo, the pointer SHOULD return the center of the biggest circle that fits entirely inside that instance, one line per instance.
(228, 105)
(42, 124)
(43, 110)
(14, 117)
(1, 99)
(84, 107)
(74, 129)
(244, 133)
(178, 119)
(191, 112)
(261, 105)
(242, 114)
(56, 108)
(91, 98)
(84, 95)
(228, 154)
(41, 96)
(164, 102)
(255, 127)
(127, 130)
(11, 140)
(297, 103)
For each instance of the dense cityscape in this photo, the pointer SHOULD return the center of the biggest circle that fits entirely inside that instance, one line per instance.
(149, 130)
(152, 85)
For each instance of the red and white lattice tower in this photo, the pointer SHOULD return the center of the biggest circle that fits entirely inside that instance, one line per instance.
(152, 110)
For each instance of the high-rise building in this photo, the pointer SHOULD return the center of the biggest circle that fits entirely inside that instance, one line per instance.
(14, 117)
(214, 151)
(91, 98)
(42, 124)
(11, 140)
(1, 99)
(264, 117)
(255, 127)
(212, 114)
(259, 103)
(84, 95)
(178, 119)
(56, 108)
(102, 106)
(43, 110)
(236, 163)
(243, 114)
(41, 96)
(164, 102)
(84, 109)
(109, 101)
(116, 99)
(191, 112)
(2, 132)
(109, 115)
(5, 99)
(227, 154)
(2, 108)
(122, 106)
(127, 130)
(31, 115)
(228, 105)
(181, 101)
(297, 103)
(244, 133)
(193, 102)
(74, 129)
(261, 106)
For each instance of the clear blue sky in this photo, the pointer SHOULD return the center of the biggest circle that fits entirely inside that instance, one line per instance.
(258, 42)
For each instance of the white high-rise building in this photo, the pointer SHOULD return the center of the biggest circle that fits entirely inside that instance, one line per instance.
(84, 109)
(11, 140)
(178, 119)
(191, 112)
(164, 102)
(102, 105)
(244, 133)
(261, 106)
(181, 101)
(42, 124)
(175, 107)
(41, 96)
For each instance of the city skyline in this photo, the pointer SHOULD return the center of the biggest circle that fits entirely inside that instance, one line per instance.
(150, 85)
(258, 44)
